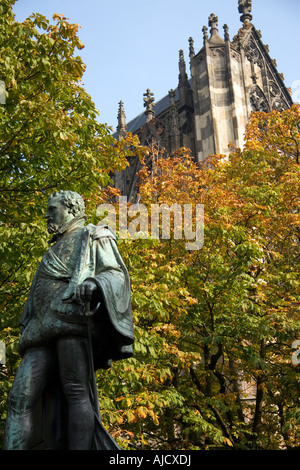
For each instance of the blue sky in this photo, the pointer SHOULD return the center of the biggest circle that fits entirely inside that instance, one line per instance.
(133, 45)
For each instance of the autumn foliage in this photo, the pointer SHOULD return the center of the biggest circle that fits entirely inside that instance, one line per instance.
(214, 327)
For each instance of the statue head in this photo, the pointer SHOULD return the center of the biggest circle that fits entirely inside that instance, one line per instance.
(63, 206)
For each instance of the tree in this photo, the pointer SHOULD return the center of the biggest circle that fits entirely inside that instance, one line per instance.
(212, 366)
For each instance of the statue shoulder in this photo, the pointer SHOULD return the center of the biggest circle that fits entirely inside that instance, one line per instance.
(101, 231)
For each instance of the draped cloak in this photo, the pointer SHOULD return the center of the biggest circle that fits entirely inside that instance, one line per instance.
(81, 253)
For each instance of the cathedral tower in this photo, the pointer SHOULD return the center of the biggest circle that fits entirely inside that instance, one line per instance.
(228, 80)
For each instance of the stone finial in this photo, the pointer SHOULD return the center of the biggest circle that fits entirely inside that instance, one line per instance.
(181, 57)
(191, 49)
(213, 23)
(205, 36)
(245, 7)
(122, 128)
(183, 83)
(121, 114)
(172, 98)
(149, 104)
(226, 33)
(182, 67)
(214, 33)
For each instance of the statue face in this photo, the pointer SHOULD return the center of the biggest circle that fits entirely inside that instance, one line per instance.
(57, 214)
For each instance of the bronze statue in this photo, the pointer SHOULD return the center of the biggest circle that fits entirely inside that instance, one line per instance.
(77, 319)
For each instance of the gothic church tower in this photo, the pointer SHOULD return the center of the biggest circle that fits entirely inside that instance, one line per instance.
(229, 80)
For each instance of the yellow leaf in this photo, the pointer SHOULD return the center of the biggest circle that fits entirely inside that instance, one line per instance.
(228, 441)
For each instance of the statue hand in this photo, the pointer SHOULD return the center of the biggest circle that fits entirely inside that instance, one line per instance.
(84, 292)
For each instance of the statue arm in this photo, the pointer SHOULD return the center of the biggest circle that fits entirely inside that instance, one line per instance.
(105, 260)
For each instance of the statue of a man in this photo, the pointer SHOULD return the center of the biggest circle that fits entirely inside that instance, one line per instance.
(77, 317)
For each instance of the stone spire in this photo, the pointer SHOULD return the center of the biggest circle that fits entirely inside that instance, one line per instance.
(182, 68)
(184, 89)
(149, 104)
(214, 33)
(226, 33)
(205, 35)
(173, 124)
(172, 99)
(191, 47)
(245, 7)
(122, 128)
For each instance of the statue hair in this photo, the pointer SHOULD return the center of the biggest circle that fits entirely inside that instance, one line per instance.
(72, 200)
